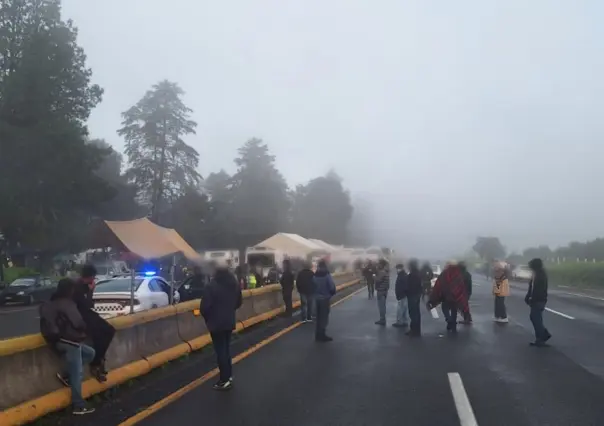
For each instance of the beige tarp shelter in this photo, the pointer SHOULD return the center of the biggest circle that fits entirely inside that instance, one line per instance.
(293, 245)
(150, 241)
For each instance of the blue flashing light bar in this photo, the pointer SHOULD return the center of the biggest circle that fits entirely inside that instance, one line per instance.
(149, 273)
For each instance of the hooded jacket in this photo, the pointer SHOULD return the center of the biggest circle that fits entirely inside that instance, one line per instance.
(537, 291)
(221, 299)
(401, 286)
(61, 320)
(414, 282)
(501, 285)
(287, 280)
(325, 287)
(305, 282)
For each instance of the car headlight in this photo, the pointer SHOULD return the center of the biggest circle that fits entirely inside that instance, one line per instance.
(187, 286)
(21, 293)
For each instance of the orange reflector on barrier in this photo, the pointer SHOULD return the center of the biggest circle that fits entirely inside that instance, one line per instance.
(196, 312)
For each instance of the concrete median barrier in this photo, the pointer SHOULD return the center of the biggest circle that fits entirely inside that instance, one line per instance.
(28, 385)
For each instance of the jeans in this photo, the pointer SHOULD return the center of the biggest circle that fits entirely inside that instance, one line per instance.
(370, 286)
(101, 333)
(287, 299)
(541, 333)
(415, 313)
(450, 310)
(381, 302)
(500, 311)
(306, 306)
(75, 357)
(323, 309)
(402, 311)
(222, 346)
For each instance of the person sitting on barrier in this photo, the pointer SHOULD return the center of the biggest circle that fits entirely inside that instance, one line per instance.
(64, 330)
(306, 287)
(221, 299)
(325, 289)
(100, 331)
(287, 287)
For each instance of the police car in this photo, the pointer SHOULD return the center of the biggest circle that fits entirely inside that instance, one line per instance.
(112, 296)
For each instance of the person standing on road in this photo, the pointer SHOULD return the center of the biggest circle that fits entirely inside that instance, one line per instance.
(501, 290)
(400, 291)
(449, 289)
(369, 273)
(325, 289)
(64, 330)
(100, 331)
(382, 285)
(427, 275)
(306, 288)
(467, 279)
(287, 287)
(220, 301)
(536, 298)
(414, 295)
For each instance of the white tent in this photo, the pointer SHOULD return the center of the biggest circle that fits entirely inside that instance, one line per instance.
(292, 245)
(324, 245)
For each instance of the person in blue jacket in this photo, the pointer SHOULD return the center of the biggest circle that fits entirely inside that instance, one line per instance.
(325, 288)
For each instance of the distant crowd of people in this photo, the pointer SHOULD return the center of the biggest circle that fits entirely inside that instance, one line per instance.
(452, 290)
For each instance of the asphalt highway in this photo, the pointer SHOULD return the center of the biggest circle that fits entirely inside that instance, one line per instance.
(372, 375)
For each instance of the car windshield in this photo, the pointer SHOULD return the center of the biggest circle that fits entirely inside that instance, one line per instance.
(23, 282)
(261, 259)
(117, 285)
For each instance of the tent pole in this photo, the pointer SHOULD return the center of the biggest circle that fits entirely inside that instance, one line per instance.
(172, 269)
(132, 278)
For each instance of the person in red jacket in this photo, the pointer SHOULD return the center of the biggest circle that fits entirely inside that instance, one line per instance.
(450, 290)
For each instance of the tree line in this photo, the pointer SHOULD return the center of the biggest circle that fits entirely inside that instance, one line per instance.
(56, 180)
(489, 248)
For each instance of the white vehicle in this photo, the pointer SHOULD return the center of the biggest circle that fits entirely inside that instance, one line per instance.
(112, 296)
(264, 259)
(225, 257)
(436, 270)
(522, 273)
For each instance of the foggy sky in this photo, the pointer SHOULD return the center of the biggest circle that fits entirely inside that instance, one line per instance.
(452, 118)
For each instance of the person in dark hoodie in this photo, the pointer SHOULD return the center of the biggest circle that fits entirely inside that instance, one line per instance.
(467, 279)
(306, 288)
(325, 289)
(414, 295)
(369, 274)
(64, 330)
(382, 285)
(100, 331)
(427, 274)
(287, 287)
(400, 291)
(220, 301)
(536, 298)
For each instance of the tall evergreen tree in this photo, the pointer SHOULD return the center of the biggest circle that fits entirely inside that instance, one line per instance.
(160, 163)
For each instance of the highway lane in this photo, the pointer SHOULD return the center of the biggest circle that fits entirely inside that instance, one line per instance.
(375, 375)
(17, 321)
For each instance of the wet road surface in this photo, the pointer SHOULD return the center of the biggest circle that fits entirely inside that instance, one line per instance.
(373, 375)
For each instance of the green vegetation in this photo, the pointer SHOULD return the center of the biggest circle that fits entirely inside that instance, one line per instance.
(590, 275)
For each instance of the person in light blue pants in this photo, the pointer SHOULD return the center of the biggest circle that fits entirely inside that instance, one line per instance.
(382, 285)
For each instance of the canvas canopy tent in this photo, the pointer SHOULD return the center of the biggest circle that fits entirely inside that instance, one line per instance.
(293, 245)
(324, 245)
(147, 240)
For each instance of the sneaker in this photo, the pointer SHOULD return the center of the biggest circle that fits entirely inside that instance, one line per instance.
(81, 411)
(539, 344)
(380, 322)
(223, 386)
(504, 320)
(63, 379)
(323, 339)
(97, 373)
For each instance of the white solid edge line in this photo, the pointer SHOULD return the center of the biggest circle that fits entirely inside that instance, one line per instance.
(583, 295)
(462, 402)
(559, 313)
(434, 313)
